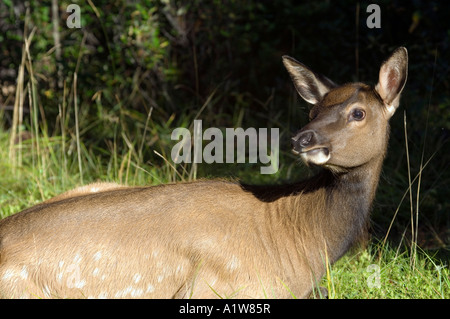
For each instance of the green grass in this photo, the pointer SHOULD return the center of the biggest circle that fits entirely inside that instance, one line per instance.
(378, 272)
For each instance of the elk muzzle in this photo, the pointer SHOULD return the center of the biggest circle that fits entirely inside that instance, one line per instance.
(311, 151)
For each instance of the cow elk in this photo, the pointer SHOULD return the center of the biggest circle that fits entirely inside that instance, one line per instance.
(215, 238)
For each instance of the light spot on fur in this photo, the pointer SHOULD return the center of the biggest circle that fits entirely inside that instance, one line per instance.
(137, 278)
(150, 289)
(80, 284)
(9, 273)
(213, 281)
(95, 272)
(137, 292)
(46, 291)
(233, 263)
(60, 275)
(207, 243)
(77, 259)
(97, 255)
(24, 273)
(131, 291)
(180, 268)
(162, 275)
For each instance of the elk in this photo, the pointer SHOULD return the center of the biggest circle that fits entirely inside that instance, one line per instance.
(216, 238)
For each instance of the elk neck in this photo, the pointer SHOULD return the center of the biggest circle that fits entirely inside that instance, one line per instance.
(342, 216)
(328, 210)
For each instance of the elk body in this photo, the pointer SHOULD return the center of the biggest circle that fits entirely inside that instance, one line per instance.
(215, 238)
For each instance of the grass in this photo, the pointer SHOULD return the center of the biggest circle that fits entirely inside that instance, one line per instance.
(379, 272)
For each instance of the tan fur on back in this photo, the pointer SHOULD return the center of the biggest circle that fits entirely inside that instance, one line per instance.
(84, 190)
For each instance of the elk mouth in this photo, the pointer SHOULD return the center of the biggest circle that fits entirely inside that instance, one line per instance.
(317, 155)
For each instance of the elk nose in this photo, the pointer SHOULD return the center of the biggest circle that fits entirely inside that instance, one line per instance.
(302, 140)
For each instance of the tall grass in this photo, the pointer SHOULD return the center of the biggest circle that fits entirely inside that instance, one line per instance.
(36, 166)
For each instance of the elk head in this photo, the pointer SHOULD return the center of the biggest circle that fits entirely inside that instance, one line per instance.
(349, 123)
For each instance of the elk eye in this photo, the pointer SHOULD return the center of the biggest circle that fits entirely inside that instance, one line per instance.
(358, 114)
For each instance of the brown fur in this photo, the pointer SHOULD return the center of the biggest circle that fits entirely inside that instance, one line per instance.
(207, 239)
(85, 190)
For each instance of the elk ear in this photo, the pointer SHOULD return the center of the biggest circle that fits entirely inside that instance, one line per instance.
(311, 86)
(392, 79)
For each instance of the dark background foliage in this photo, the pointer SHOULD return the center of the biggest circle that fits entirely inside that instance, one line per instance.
(171, 56)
